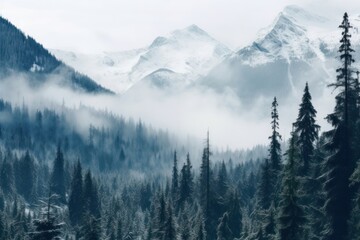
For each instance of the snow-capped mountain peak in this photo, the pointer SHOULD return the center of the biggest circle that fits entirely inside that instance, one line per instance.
(186, 54)
(292, 35)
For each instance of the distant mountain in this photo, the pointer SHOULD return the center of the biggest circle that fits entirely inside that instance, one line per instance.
(297, 47)
(177, 59)
(22, 54)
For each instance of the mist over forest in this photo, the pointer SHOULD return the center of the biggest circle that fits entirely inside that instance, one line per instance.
(186, 138)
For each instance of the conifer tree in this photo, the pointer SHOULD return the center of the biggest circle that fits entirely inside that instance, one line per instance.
(223, 230)
(355, 214)
(92, 228)
(46, 227)
(221, 181)
(307, 130)
(275, 147)
(264, 188)
(274, 152)
(170, 225)
(340, 164)
(7, 178)
(160, 218)
(76, 199)
(175, 179)
(270, 223)
(291, 217)
(185, 186)
(25, 178)
(205, 190)
(316, 213)
(91, 196)
(235, 215)
(185, 224)
(57, 183)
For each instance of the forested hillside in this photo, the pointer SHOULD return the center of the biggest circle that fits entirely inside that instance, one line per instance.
(22, 54)
(122, 180)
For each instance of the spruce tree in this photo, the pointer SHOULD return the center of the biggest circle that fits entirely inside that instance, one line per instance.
(7, 178)
(340, 164)
(76, 199)
(170, 225)
(222, 181)
(206, 197)
(235, 214)
(160, 218)
(307, 130)
(185, 186)
(57, 183)
(291, 217)
(275, 147)
(26, 176)
(274, 152)
(91, 196)
(270, 223)
(316, 214)
(265, 185)
(175, 179)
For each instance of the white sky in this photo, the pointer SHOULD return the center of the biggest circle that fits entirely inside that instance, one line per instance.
(91, 26)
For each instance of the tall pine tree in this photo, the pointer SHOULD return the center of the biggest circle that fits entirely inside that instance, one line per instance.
(307, 130)
(57, 182)
(340, 164)
(76, 198)
(175, 179)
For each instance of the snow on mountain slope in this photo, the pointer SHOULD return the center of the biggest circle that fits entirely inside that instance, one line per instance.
(111, 69)
(187, 54)
(292, 35)
(297, 47)
(297, 34)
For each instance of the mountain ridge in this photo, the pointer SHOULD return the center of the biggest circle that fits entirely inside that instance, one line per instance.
(20, 53)
(189, 53)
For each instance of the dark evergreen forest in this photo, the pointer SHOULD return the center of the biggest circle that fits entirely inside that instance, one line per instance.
(124, 180)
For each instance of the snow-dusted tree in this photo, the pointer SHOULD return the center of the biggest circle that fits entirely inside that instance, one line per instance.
(92, 228)
(170, 230)
(47, 228)
(223, 231)
(7, 180)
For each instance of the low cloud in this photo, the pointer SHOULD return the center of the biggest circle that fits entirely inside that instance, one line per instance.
(185, 113)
